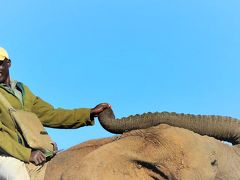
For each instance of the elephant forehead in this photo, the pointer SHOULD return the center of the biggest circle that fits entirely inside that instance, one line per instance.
(163, 135)
(130, 157)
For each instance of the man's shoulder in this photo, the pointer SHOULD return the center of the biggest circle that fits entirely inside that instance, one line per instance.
(17, 83)
(20, 85)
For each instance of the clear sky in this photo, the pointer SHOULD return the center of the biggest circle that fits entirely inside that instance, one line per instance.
(138, 55)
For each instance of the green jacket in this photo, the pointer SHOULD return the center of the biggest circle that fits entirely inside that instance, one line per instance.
(11, 141)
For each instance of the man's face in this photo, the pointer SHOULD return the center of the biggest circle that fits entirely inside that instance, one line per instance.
(4, 70)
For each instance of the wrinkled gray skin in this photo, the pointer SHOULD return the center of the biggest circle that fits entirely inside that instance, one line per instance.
(220, 127)
(160, 152)
(154, 150)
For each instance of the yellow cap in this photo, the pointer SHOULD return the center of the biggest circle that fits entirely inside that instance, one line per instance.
(3, 54)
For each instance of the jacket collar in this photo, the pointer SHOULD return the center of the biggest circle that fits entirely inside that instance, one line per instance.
(14, 84)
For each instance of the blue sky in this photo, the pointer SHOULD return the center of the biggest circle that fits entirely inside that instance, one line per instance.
(140, 56)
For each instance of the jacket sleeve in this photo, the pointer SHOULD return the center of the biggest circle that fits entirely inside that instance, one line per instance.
(61, 118)
(12, 147)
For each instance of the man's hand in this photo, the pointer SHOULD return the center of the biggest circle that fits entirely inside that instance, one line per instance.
(37, 157)
(98, 109)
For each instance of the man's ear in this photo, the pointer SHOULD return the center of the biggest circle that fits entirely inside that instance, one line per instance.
(9, 63)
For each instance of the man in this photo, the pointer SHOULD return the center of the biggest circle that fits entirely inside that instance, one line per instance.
(17, 160)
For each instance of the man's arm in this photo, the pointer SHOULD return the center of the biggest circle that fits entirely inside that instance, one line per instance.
(61, 118)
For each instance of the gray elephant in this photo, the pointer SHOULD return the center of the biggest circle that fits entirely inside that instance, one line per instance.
(150, 149)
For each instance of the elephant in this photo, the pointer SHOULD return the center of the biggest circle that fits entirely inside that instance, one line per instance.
(155, 146)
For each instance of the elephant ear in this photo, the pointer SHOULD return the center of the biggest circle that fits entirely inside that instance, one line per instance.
(220, 127)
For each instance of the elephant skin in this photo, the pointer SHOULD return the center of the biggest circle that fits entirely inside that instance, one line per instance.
(158, 152)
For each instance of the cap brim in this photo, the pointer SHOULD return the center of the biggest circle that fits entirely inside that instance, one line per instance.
(2, 58)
